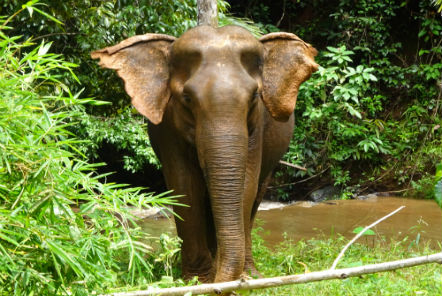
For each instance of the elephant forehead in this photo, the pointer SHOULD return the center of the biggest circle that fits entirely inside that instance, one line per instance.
(203, 39)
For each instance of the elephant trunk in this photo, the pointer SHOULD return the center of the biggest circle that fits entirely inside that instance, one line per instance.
(223, 158)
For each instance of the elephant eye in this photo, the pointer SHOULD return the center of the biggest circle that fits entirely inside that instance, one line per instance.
(256, 95)
(186, 98)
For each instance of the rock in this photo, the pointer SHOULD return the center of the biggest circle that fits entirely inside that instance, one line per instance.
(325, 193)
(305, 204)
(152, 213)
(367, 196)
(269, 205)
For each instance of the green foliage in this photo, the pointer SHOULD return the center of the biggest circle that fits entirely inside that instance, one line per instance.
(439, 4)
(259, 13)
(125, 130)
(61, 229)
(337, 121)
(171, 251)
(371, 114)
(226, 19)
(345, 95)
(90, 25)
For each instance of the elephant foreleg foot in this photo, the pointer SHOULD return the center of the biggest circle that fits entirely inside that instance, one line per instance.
(250, 271)
(205, 274)
(202, 277)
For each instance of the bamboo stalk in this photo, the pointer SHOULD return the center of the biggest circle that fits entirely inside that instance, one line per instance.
(225, 287)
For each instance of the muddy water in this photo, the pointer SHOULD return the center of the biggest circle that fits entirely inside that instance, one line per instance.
(306, 220)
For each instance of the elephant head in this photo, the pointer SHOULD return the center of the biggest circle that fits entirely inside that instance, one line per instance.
(213, 86)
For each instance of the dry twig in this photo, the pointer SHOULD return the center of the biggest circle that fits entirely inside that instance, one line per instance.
(362, 233)
(292, 165)
(301, 181)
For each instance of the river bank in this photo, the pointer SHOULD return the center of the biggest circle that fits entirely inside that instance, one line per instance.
(420, 220)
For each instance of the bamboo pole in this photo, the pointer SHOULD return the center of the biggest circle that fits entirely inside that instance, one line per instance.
(219, 288)
(208, 12)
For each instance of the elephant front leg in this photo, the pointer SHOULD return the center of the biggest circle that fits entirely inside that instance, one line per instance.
(249, 267)
(195, 253)
(194, 227)
(194, 224)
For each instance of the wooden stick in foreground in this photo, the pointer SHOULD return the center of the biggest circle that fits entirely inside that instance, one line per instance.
(219, 288)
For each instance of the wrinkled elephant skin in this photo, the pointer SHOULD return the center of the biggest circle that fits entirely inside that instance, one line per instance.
(220, 104)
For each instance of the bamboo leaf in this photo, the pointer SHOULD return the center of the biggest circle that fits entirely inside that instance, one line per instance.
(48, 16)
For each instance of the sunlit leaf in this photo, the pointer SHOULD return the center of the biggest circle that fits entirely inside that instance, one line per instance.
(367, 232)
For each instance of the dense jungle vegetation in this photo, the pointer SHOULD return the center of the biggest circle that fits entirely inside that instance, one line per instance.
(368, 120)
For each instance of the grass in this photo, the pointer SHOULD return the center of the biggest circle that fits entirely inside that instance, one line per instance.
(318, 254)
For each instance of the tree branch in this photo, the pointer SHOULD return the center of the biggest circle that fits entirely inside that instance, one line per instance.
(292, 165)
(301, 181)
(283, 13)
(219, 288)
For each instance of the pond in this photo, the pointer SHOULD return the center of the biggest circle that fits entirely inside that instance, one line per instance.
(305, 220)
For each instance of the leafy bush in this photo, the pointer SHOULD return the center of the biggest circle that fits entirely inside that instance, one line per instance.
(61, 229)
(127, 131)
(370, 118)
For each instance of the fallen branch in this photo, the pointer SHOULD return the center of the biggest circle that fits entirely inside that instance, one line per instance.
(219, 288)
(361, 234)
(292, 165)
(383, 193)
(301, 181)
(395, 191)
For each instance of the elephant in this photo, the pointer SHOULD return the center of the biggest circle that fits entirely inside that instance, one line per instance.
(219, 104)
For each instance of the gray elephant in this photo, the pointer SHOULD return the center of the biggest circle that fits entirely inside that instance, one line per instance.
(220, 104)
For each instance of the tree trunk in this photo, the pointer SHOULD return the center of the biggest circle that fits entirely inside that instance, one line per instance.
(208, 13)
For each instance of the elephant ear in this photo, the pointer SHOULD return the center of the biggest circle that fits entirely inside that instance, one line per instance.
(288, 62)
(143, 63)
